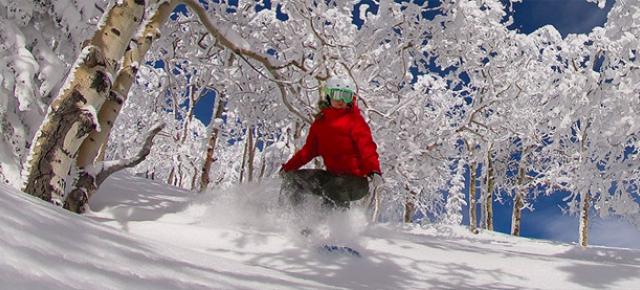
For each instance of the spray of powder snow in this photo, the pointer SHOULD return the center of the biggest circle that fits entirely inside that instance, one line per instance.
(259, 206)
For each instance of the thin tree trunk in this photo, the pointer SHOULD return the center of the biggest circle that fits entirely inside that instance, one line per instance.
(473, 215)
(194, 178)
(211, 143)
(409, 209)
(585, 199)
(170, 179)
(187, 120)
(263, 161)
(488, 202)
(584, 218)
(251, 152)
(244, 160)
(72, 114)
(409, 205)
(518, 203)
(374, 205)
(179, 175)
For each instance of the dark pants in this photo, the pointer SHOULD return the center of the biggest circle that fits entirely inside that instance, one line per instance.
(336, 190)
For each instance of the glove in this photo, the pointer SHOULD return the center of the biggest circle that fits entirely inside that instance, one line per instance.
(375, 180)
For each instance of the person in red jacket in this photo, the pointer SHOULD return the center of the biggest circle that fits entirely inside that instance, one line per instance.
(343, 139)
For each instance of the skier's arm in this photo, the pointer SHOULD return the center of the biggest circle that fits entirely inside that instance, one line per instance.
(366, 146)
(306, 154)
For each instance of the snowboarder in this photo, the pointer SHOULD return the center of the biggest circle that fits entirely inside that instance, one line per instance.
(340, 135)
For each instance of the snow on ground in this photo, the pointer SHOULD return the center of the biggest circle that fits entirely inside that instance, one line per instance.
(146, 235)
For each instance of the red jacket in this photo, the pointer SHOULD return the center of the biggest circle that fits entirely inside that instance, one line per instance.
(343, 139)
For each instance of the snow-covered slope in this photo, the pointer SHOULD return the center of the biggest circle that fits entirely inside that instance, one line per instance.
(146, 235)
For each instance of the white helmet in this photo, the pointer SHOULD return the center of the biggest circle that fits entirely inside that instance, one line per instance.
(340, 82)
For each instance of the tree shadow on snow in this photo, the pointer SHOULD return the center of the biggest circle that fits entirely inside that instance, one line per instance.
(130, 198)
(62, 250)
(601, 268)
(371, 271)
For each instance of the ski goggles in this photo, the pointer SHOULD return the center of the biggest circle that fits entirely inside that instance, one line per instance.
(338, 94)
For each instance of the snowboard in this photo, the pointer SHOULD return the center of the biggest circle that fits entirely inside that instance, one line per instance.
(330, 248)
(340, 250)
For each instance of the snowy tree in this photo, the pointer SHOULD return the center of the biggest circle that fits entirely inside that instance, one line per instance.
(38, 42)
(456, 197)
(73, 113)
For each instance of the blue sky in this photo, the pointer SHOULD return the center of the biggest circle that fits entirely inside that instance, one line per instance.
(547, 220)
(567, 16)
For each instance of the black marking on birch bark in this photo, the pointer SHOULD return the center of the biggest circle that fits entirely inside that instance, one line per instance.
(50, 144)
(101, 82)
(139, 2)
(115, 31)
(76, 96)
(112, 96)
(65, 152)
(86, 124)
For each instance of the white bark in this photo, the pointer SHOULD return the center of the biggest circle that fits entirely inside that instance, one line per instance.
(473, 212)
(94, 146)
(518, 202)
(73, 114)
(211, 143)
(488, 201)
(584, 219)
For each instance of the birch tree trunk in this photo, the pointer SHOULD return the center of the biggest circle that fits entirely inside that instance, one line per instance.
(195, 176)
(584, 219)
(473, 215)
(73, 113)
(518, 203)
(263, 164)
(171, 178)
(244, 160)
(93, 147)
(251, 152)
(211, 143)
(488, 202)
(374, 205)
(409, 206)
(585, 198)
